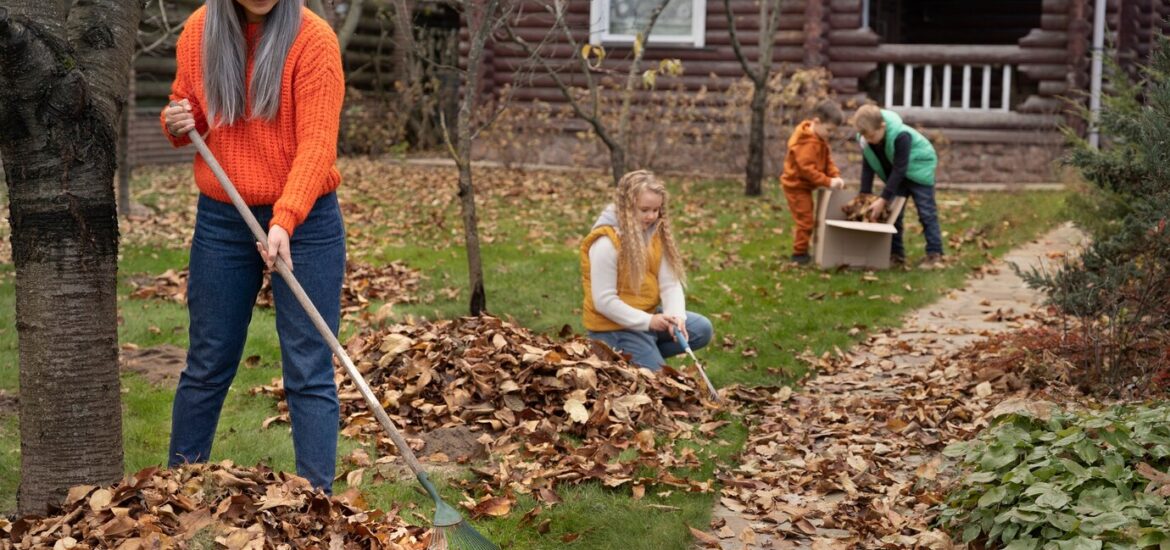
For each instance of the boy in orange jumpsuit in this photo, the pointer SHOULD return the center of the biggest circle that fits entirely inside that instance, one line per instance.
(808, 165)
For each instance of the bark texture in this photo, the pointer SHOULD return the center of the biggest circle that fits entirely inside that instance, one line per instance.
(63, 86)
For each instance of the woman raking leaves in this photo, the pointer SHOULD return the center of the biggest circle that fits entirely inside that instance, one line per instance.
(265, 77)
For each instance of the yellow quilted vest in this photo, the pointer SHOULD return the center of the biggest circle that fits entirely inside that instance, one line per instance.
(647, 299)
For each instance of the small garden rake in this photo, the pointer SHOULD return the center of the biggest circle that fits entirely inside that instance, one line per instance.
(450, 528)
(687, 346)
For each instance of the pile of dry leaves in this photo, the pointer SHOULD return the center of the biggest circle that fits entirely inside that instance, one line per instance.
(549, 412)
(205, 506)
(853, 459)
(392, 283)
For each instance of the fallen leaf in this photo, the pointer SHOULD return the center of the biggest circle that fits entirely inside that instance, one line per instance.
(703, 538)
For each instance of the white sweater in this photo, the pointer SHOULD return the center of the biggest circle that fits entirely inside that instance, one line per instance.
(603, 269)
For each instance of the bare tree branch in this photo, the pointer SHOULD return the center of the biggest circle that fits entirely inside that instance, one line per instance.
(768, 39)
(586, 70)
(640, 43)
(447, 140)
(349, 26)
(735, 45)
(168, 32)
(404, 39)
(594, 118)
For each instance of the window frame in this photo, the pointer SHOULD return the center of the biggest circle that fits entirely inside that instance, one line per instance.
(599, 34)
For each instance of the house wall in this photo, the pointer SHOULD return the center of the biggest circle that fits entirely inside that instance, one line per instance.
(506, 63)
(1051, 62)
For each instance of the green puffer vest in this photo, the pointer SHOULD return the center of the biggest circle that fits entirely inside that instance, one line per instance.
(923, 160)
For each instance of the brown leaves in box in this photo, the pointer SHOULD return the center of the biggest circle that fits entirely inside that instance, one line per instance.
(854, 210)
(237, 508)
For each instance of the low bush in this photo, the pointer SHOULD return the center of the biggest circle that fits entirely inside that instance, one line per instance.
(1119, 288)
(1059, 480)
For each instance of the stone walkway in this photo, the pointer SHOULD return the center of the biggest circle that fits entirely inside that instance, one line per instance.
(993, 300)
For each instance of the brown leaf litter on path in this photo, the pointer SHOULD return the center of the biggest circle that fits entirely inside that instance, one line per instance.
(852, 459)
(213, 505)
(548, 412)
(391, 283)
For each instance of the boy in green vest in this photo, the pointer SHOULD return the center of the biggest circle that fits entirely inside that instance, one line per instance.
(905, 160)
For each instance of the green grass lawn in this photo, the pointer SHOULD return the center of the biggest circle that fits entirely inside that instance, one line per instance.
(766, 312)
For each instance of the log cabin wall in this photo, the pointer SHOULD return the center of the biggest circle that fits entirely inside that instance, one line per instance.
(1136, 24)
(712, 66)
(1001, 72)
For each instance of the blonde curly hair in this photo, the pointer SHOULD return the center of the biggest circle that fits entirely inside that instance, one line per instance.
(635, 244)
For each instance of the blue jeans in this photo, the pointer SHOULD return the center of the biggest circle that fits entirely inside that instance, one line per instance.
(226, 273)
(649, 348)
(923, 196)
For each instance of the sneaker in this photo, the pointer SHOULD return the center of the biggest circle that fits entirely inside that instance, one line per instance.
(801, 259)
(897, 261)
(933, 260)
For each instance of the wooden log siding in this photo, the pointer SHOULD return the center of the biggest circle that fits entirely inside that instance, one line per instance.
(955, 55)
(716, 59)
(845, 32)
(814, 31)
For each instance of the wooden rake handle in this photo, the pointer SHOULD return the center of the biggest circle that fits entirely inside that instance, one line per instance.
(319, 322)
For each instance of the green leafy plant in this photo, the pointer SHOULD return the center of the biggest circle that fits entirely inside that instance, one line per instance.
(1065, 481)
(1118, 290)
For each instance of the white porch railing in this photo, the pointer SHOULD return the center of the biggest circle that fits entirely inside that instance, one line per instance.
(977, 80)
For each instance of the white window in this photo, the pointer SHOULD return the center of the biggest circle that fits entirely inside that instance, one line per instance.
(682, 23)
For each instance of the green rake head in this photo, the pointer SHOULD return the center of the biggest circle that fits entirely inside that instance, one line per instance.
(451, 530)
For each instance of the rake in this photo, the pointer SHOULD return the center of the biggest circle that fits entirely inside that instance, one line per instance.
(687, 346)
(451, 531)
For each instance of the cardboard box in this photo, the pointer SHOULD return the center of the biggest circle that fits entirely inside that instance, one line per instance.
(838, 242)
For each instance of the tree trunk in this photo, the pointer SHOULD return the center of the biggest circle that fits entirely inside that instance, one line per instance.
(62, 87)
(478, 302)
(617, 162)
(770, 18)
(755, 160)
(480, 22)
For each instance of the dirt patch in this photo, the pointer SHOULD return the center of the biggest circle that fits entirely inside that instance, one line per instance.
(9, 403)
(159, 365)
(458, 443)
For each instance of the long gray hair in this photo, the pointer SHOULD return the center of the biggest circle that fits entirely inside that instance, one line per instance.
(224, 56)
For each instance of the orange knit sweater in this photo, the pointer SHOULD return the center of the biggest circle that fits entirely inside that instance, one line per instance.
(286, 162)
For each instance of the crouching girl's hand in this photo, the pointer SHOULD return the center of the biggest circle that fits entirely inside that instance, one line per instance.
(665, 323)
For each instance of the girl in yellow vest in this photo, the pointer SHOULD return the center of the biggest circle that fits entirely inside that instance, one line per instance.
(633, 277)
